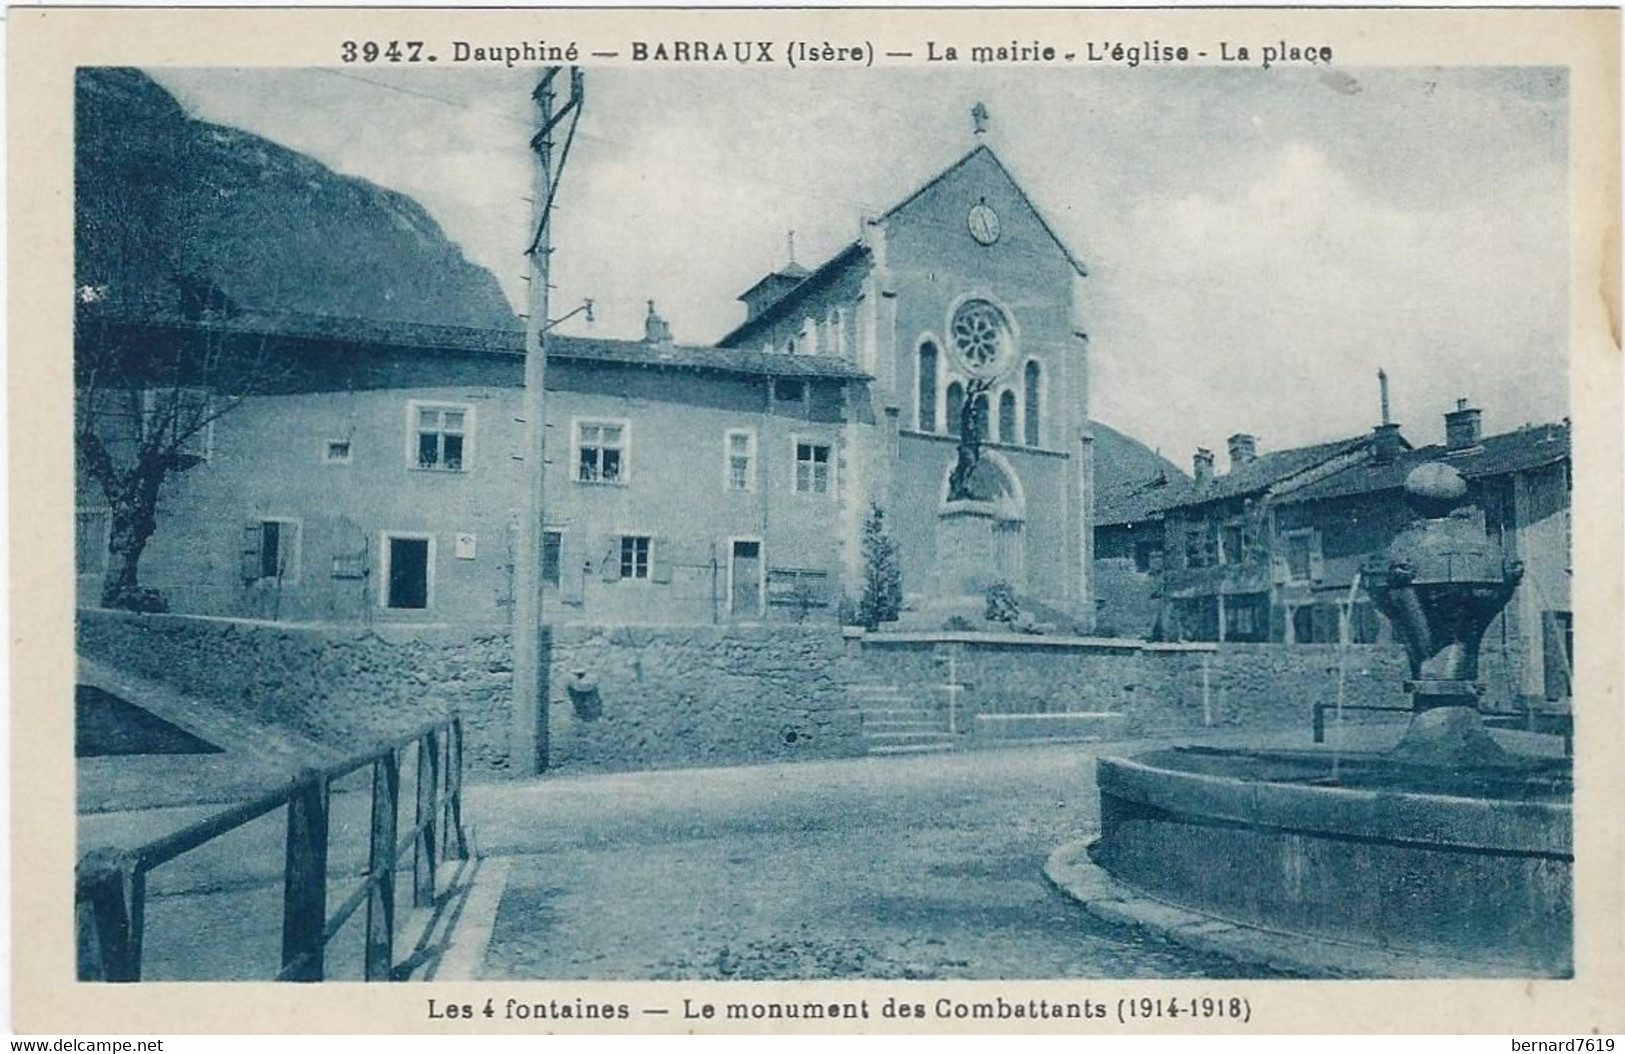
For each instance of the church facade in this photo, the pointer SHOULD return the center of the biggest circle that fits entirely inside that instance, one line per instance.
(380, 479)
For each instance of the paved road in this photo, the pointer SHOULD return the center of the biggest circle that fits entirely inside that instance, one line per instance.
(918, 867)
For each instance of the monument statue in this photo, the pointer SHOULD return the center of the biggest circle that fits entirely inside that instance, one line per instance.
(972, 429)
(1443, 582)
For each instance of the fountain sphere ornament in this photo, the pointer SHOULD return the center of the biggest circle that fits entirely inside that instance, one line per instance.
(1443, 582)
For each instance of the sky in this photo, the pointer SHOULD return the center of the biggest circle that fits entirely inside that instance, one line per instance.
(1258, 242)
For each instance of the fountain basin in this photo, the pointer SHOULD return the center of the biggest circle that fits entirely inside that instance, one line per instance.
(1471, 867)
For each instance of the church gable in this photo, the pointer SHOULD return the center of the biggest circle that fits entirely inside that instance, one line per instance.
(979, 199)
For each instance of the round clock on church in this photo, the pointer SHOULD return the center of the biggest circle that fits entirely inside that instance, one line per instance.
(984, 224)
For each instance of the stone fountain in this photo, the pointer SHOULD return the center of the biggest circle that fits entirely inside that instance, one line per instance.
(1448, 855)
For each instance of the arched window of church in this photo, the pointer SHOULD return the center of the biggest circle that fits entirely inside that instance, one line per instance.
(955, 406)
(1032, 381)
(1007, 416)
(983, 417)
(928, 387)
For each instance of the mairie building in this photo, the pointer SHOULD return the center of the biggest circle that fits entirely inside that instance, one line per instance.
(379, 477)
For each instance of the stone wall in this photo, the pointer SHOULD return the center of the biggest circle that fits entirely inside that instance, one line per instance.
(666, 696)
(1159, 689)
(672, 696)
(700, 695)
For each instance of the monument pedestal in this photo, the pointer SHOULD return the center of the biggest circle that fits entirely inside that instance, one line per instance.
(966, 561)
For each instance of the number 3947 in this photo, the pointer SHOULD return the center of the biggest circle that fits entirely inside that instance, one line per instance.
(383, 51)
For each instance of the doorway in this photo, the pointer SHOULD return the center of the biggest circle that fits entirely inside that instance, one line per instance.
(407, 572)
(745, 579)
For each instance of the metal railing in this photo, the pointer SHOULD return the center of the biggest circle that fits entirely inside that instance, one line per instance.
(110, 884)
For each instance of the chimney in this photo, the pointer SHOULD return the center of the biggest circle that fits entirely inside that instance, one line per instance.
(1385, 443)
(1382, 391)
(1203, 464)
(655, 328)
(1461, 427)
(1243, 448)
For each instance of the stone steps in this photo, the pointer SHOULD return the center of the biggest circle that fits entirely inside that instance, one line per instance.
(896, 721)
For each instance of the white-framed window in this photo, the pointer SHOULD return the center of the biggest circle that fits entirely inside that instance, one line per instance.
(271, 550)
(815, 464)
(440, 436)
(603, 451)
(184, 414)
(336, 451)
(406, 581)
(739, 459)
(635, 555)
(92, 535)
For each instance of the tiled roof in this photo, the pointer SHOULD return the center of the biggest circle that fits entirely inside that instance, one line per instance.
(1135, 500)
(1529, 447)
(1147, 498)
(814, 280)
(501, 341)
(727, 360)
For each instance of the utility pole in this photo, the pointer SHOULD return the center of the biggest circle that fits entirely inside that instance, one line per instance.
(530, 725)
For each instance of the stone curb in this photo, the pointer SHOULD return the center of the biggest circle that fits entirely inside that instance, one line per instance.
(1071, 871)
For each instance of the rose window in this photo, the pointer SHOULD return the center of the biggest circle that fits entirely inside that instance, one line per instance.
(980, 337)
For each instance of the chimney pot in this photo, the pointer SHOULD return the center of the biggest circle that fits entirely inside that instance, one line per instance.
(1243, 449)
(1462, 427)
(655, 329)
(1385, 443)
(1203, 464)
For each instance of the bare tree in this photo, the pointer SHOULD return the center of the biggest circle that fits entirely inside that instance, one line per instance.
(148, 389)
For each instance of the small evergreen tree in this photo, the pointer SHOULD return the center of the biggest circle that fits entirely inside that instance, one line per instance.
(882, 599)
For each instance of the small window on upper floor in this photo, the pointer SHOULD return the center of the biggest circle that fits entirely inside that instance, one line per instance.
(336, 452)
(441, 436)
(812, 468)
(739, 452)
(602, 452)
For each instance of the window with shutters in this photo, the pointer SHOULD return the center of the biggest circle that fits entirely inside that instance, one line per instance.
(603, 451)
(812, 467)
(441, 436)
(739, 459)
(635, 555)
(271, 551)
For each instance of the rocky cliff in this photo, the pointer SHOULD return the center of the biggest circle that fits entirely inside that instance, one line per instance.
(164, 200)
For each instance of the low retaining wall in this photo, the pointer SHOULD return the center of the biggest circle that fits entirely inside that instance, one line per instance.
(708, 695)
(1152, 689)
(666, 696)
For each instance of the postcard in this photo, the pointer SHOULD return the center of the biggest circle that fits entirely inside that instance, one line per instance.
(742, 520)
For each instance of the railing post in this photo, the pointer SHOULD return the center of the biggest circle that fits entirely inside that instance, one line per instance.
(386, 794)
(423, 856)
(453, 841)
(109, 908)
(304, 882)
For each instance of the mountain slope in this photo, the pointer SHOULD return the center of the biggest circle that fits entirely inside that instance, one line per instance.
(161, 196)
